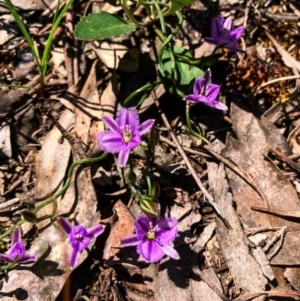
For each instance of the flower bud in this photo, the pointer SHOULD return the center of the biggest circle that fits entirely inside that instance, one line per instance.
(149, 208)
(29, 217)
(131, 178)
(155, 191)
(153, 137)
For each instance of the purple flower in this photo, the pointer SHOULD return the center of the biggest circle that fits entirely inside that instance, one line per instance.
(153, 237)
(79, 237)
(17, 251)
(124, 133)
(221, 34)
(206, 92)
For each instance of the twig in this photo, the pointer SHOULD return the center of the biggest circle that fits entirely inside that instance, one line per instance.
(275, 80)
(240, 172)
(283, 157)
(235, 168)
(288, 60)
(187, 149)
(77, 149)
(278, 236)
(277, 17)
(187, 162)
(9, 203)
(249, 4)
(295, 214)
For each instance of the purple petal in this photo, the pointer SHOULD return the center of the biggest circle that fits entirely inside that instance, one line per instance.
(17, 251)
(123, 157)
(74, 256)
(211, 41)
(16, 236)
(110, 142)
(227, 24)
(166, 223)
(166, 231)
(64, 225)
(111, 124)
(27, 258)
(235, 34)
(190, 98)
(164, 237)
(215, 104)
(171, 252)
(142, 225)
(134, 142)
(131, 240)
(145, 126)
(213, 92)
(95, 231)
(217, 27)
(128, 117)
(218, 105)
(150, 250)
(5, 258)
(198, 86)
(203, 99)
(79, 238)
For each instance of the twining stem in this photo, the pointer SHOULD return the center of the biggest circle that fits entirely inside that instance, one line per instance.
(130, 15)
(188, 122)
(52, 200)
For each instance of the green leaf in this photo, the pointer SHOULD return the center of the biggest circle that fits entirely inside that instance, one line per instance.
(101, 26)
(177, 5)
(187, 72)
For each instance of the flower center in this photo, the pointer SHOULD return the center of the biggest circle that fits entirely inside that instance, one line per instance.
(151, 233)
(204, 90)
(225, 32)
(18, 251)
(126, 131)
(79, 237)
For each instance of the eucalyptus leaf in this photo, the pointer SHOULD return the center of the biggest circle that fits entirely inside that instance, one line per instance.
(99, 26)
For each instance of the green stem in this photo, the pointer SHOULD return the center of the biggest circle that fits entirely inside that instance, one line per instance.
(130, 15)
(56, 195)
(24, 31)
(47, 49)
(188, 122)
(145, 88)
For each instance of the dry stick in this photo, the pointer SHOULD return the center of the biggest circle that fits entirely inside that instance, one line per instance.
(9, 203)
(293, 214)
(77, 149)
(52, 8)
(187, 162)
(283, 157)
(235, 168)
(187, 149)
(241, 172)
